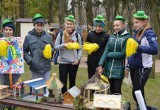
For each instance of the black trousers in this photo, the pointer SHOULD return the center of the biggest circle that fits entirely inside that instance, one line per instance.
(139, 77)
(64, 71)
(91, 70)
(115, 85)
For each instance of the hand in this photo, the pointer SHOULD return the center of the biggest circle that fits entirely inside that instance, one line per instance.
(76, 62)
(99, 70)
(65, 44)
(126, 73)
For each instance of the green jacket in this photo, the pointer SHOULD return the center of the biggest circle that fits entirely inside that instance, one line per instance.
(114, 55)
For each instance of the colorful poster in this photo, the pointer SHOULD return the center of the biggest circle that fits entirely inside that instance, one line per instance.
(11, 55)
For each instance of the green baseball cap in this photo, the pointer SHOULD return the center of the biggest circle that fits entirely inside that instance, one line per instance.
(118, 17)
(99, 18)
(71, 18)
(36, 16)
(6, 21)
(140, 14)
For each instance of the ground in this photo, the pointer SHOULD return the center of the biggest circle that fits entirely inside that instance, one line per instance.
(84, 64)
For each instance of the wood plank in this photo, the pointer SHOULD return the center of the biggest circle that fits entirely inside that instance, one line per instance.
(40, 106)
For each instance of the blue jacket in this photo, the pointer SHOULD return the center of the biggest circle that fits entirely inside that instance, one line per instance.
(148, 46)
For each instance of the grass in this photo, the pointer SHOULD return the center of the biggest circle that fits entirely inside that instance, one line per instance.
(151, 89)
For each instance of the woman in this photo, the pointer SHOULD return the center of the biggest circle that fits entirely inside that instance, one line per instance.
(69, 59)
(140, 63)
(114, 56)
(98, 36)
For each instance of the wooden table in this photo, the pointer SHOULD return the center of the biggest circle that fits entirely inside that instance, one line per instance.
(34, 106)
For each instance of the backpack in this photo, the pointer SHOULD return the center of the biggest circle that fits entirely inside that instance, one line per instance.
(61, 34)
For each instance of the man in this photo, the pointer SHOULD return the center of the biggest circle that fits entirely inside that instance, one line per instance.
(33, 48)
(99, 37)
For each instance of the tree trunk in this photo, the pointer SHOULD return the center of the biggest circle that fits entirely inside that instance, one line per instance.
(50, 11)
(80, 12)
(89, 13)
(22, 8)
(73, 7)
(61, 12)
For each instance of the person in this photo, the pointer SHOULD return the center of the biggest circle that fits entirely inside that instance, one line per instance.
(114, 56)
(69, 59)
(33, 48)
(54, 32)
(100, 37)
(8, 32)
(8, 28)
(140, 63)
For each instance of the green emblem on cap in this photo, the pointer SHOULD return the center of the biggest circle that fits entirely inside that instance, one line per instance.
(71, 18)
(140, 14)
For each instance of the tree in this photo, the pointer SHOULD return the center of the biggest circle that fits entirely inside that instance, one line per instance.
(50, 10)
(89, 13)
(22, 8)
(61, 14)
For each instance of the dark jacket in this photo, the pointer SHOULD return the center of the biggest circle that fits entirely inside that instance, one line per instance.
(148, 46)
(33, 51)
(114, 55)
(100, 39)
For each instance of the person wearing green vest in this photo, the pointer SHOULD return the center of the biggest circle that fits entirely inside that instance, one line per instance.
(114, 56)
(33, 49)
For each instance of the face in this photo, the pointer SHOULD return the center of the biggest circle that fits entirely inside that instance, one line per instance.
(118, 25)
(39, 27)
(8, 31)
(138, 23)
(69, 26)
(98, 28)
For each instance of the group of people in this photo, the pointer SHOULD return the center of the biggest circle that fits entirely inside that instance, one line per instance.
(109, 59)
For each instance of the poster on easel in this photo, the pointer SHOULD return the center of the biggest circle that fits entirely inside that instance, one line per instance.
(11, 55)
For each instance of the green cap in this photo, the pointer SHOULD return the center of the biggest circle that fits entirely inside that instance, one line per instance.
(5, 22)
(36, 16)
(118, 17)
(71, 18)
(99, 18)
(140, 14)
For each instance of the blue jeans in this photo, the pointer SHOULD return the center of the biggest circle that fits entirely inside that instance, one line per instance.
(45, 76)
